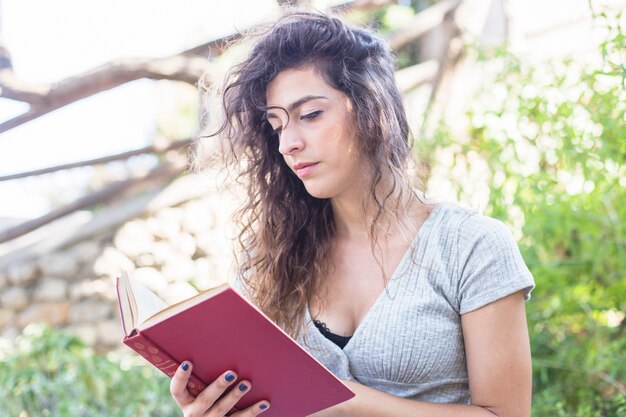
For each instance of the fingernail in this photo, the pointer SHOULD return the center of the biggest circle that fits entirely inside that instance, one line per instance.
(185, 366)
(243, 387)
(263, 406)
(229, 377)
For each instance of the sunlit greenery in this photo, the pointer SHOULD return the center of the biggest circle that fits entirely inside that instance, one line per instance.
(553, 136)
(53, 374)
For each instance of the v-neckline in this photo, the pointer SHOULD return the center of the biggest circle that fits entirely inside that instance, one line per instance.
(393, 279)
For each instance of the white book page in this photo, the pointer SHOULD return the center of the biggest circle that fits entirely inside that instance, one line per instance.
(146, 302)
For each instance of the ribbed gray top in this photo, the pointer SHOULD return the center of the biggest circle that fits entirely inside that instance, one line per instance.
(410, 343)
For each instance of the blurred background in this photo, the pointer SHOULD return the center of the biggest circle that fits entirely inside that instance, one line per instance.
(518, 109)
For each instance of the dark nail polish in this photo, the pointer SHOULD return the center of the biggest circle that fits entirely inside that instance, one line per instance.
(263, 406)
(229, 377)
(243, 387)
(185, 366)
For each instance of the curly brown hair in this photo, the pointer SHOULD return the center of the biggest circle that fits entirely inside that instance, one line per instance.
(286, 234)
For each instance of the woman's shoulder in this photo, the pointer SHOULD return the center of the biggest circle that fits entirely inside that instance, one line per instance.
(482, 255)
(465, 222)
(461, 230)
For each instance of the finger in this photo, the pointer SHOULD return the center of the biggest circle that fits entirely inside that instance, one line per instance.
(225, 404)
(178, 385)
(207, 398)
(253, 410)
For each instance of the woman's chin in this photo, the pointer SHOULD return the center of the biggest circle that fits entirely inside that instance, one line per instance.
(318, 192)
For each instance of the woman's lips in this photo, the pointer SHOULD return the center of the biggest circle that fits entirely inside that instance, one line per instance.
(304, 169)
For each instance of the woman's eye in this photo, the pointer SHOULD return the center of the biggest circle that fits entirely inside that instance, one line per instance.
(311, 115)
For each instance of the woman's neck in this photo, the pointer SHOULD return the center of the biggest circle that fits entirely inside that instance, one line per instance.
(354, 217)
(351, 221)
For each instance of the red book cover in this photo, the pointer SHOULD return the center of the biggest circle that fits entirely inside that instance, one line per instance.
(154, 354)
(224, 331)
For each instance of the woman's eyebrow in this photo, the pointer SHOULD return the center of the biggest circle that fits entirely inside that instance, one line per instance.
(296, 104)
(303, 100)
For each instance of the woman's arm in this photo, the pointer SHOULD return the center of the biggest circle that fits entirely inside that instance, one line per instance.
(498, 364)
(498, 357)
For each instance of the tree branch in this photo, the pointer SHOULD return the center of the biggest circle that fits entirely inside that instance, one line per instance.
(46, 98)
(107, 193)
(422, 22)
(124, 155)
(411, 77)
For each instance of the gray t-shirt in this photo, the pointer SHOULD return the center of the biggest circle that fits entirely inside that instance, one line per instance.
(410, 343)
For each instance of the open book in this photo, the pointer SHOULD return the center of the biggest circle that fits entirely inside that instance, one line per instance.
(219, 330)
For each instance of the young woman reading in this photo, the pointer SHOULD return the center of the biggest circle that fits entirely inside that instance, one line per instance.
(417, 305)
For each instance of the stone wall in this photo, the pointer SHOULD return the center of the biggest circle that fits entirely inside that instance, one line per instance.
(175, 250)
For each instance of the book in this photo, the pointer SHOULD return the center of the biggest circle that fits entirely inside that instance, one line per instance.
(219, 330)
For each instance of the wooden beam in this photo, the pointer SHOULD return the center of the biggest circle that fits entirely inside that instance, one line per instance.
(107, 193)
(46, 98)
(411, 77)
(98, 161)
(422, 22)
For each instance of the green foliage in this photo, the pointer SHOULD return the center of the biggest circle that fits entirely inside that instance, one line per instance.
(53, 374)
(553, 136)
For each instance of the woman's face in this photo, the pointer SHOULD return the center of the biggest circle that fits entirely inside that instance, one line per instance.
(316, 134)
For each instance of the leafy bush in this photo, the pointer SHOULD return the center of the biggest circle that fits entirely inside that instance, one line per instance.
(551, 138)
(54, 374)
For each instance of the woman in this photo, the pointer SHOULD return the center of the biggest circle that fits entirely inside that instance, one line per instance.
(418, 306)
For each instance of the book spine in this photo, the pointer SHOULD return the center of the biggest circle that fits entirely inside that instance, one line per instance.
(143, 345)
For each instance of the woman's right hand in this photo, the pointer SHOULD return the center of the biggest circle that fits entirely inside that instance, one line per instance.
(208, 403)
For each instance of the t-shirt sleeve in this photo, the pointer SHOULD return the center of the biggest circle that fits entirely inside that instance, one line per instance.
(490, 265)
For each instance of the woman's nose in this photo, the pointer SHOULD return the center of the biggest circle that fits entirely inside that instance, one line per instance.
(289, 141)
